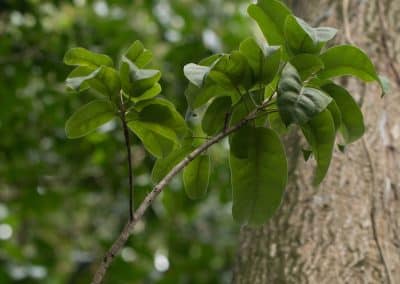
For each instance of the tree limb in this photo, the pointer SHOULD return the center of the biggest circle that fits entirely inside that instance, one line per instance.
(124, 235)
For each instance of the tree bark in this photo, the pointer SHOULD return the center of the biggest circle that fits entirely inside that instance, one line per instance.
(348, 229)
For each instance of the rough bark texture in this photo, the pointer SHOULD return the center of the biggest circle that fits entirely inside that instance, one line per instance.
(348, 229)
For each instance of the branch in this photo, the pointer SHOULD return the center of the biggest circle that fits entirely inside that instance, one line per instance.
(124, 235)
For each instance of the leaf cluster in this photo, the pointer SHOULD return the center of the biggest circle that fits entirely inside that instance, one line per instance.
(286, 80)
(290, 73)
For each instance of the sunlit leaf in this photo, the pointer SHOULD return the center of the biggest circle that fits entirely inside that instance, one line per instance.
(138, 55)
(79, 56)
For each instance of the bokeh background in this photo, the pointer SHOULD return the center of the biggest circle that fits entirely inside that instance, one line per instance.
(62, 202)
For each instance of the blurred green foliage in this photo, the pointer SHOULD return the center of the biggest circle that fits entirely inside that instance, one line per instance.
(62, 202)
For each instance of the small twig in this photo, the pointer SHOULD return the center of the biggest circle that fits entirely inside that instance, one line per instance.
(129, 157)
(124, 235)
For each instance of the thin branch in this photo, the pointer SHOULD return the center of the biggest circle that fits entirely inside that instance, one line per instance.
(124, 235)
(129, 156)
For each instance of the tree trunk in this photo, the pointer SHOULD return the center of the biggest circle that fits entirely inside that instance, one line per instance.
(348, 229)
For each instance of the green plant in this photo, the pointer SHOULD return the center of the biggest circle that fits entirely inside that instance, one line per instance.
(252, 95)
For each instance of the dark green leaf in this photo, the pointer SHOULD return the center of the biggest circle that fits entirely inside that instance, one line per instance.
(352, 127)
(298, 104)
(79, 56)
(264, 61)
(196, 177)
(320, 134)
(307, 65)
(214, 118)
(302, 38)
(259, 180)
(88, 118)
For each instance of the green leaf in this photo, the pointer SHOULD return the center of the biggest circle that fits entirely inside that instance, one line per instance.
(302, 38)
(320, 134)
(79, 56)
(137, 81)
(159, 141)
(88, 118)
(148, 94)
(196, 177)
(214, 118)
(164, 165)
(231, 70)
(336, 114)
(163, 112)
(198, 97)
(270, 16)
(264, 61)
(104, 80)
(196, 74)
(307, 65)
(138, 55)
(352, 127)
(298, 104)
(80, 77)
(348, 60)
(259, 179)
(157, 123)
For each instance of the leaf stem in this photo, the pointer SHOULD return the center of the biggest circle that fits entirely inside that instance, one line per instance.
(129, 157)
